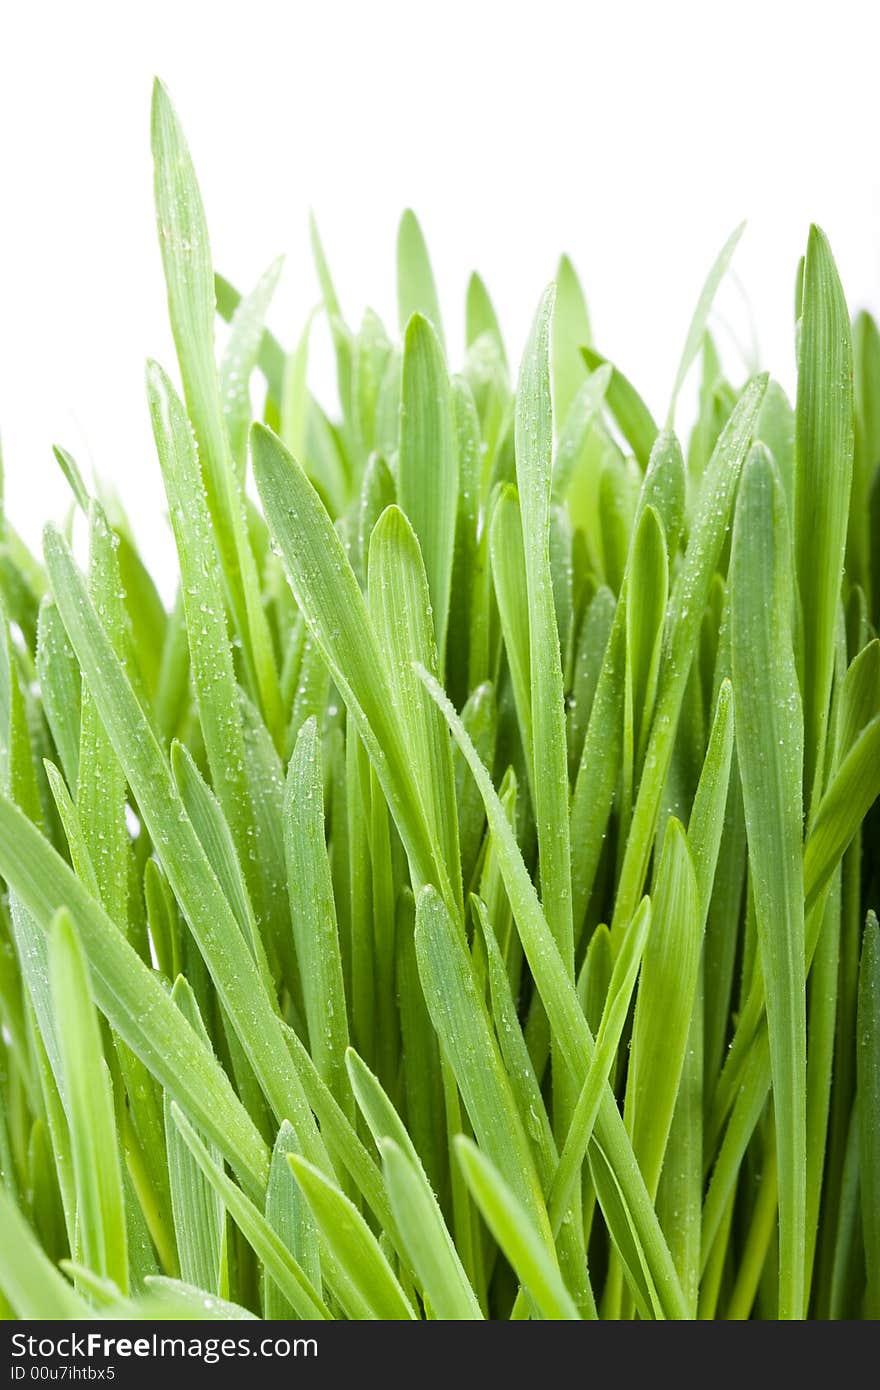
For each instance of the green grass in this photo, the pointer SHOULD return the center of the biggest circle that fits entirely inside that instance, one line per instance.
(462, 903)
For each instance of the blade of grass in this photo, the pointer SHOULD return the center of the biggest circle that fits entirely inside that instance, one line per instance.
(428, 468)
(353, 1245)
(208, 914)
(134, 1002)
(824, 457)
(331, 601)
(430, 1246)
(279, 1262)
(868, 1074)
(698, 323)
(632, 416)
(29, 1280)
(514, 1230)
(89, 1105)
(770, 744)
(416, 290)
(399, 604)
(290, 1216)
(186, 257)
(570, 332)
(313, 914)
(567, 1020)
(239, 360)
(688, 600)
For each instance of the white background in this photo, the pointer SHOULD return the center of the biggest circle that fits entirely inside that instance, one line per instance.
(634, 136)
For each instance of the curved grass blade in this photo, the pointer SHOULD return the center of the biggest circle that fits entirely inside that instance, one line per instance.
(851, 794)
(611, 1025)
(271, 353)
(462, 1025)
(632, 416)
(175, 1298)
(664, 1005)
(575, 427)
(134, 1002)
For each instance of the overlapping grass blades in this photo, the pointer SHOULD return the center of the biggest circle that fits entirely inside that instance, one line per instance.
(461, 903)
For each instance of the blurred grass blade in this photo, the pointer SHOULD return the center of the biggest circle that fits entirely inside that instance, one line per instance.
(240, 358)
(416, 290)
(631, 415)
(700, 319)
(29, 1280)
(570, 332)
(480, 315)
(868, 1071)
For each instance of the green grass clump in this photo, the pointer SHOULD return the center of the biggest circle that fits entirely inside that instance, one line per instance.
(459, 905)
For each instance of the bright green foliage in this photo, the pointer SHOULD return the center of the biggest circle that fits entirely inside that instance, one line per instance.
(462, 903)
